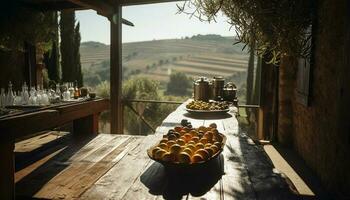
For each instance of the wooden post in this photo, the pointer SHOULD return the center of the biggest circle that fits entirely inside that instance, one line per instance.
(7, 170)
(116, 72)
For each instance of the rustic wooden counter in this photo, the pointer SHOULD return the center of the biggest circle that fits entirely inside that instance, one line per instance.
(117, 167)
(84, 116)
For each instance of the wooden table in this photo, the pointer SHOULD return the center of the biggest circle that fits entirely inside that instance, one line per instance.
(117, 167)
(84, 116)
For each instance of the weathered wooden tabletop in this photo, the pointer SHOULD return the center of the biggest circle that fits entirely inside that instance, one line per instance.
(117, 167)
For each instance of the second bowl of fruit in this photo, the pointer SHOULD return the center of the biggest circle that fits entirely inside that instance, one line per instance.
(185, 146)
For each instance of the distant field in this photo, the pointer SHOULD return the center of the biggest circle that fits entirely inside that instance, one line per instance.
(156, 59)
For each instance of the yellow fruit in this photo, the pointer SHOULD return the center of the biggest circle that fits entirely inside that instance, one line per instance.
(170, 143)
(197, 158)
(214, 148)
(183, 138)
(180, 142)
(195, 139)
(154, 151)
(188, 151)
(203, 140)
(187, 137)
(199, 146)
(207, 145)
(186, 129)
(191, 142)
(191, 146)
(204, 153)
(202, 128)
(218, 144)
(213, 125)
(184, 157)
(159, 154)
(210, 151)
(164, 140)
(168, 157)
(163, 146)
(175, 149)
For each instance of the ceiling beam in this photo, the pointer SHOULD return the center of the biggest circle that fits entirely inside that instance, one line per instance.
(138, 2)
(102, 7)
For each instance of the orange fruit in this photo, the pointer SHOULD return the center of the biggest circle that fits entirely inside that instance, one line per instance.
(194, 133)
(183, 138)
(197, 158)
(204, 153)
(170, 143)
(159, 154)
(187, 137)
(203, 140)
(180, 142)
(191, 142)
(178, 128)
(208, 135)
(175, 149)
(183, 132)
(186, 129)
(168, 157)
(195, 139)
(199, 146)
(184, 157)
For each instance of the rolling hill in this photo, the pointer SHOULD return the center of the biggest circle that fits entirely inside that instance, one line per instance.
(201, 55)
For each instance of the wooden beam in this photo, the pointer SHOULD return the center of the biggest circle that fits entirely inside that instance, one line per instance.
(100, 6)
(116, 72)
(138, 2)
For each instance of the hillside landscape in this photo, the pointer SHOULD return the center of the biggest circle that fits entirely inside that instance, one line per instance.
(200, 55)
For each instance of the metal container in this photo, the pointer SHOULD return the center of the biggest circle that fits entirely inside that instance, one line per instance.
(218, 88)
(201, 89)
(230, 92)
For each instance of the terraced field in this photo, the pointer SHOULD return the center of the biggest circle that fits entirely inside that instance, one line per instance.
(158, 59)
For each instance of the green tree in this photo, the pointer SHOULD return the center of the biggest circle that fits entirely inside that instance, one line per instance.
(70, 43)
(178, 84)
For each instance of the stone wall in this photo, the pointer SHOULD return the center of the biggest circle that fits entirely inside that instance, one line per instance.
(321, 132)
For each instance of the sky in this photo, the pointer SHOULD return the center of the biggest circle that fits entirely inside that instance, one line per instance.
(152, 22)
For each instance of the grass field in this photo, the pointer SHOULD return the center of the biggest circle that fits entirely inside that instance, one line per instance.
(157, 59)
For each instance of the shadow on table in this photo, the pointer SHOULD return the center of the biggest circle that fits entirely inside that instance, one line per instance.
(174, 184)
(210, 116)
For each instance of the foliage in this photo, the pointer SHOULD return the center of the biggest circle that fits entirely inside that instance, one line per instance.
(178, 84)
(18, 24)
(277, 27)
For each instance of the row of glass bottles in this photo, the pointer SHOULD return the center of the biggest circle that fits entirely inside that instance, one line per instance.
(37, 96)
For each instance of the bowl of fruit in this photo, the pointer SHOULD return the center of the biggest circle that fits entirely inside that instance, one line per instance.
(207, 107)
(186, 148)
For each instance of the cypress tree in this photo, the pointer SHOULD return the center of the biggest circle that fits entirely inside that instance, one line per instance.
(77, 38)
(68, 61)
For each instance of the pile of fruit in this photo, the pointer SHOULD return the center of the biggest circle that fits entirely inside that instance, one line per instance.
(188, 145)
(202, 105)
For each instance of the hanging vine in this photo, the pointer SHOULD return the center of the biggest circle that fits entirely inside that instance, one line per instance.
(276, 27)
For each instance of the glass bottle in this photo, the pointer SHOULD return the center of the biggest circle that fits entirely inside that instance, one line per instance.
(76, 91)
(10, 96)
(71, 90)
(2, 98)
(25, 94)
